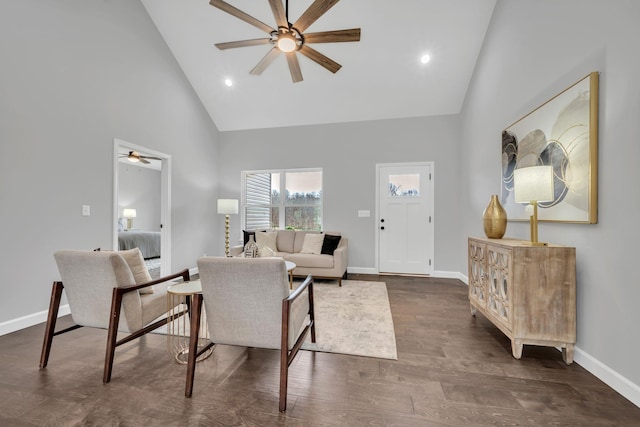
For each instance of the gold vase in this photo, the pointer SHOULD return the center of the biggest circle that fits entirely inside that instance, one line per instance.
(494, 219)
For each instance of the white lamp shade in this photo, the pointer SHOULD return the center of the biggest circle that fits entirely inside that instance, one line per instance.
(534, 183)
(227, 206)
(129, 213)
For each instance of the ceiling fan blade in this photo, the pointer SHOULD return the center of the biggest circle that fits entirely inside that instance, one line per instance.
(242, 43)
(311, 15)
(337, 36)
(241, 15)
(143, 160)
(294, 67)
(265, 61)
(321, 59)
(150, 158)
(279, 13)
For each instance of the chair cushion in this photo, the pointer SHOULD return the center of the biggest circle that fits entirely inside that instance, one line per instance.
(135, 261)
(311, 260)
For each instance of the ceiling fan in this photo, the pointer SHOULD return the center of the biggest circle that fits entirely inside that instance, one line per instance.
(134, 156)
(290, 38)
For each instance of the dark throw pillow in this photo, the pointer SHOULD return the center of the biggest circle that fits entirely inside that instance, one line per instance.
(330, 244)
(248, 233)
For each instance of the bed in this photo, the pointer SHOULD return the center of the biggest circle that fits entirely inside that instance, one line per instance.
(147, 241)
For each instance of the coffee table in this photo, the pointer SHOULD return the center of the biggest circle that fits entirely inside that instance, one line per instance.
(290, 266)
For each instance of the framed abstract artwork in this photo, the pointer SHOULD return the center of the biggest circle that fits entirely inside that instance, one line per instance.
(563, 133)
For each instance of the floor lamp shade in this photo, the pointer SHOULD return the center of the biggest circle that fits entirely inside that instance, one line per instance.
(532, 185)
(227, 206)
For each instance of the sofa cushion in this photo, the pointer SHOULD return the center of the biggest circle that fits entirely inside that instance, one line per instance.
(310, 260)
(266, 241)
(297, 244)
(312, 243)
(329, 244)
(285, 240)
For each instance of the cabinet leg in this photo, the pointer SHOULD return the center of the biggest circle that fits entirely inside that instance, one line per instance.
(473, 310)
(516, 348)
(567, 353)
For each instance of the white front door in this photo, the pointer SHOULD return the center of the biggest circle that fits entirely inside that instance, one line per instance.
(405, 225)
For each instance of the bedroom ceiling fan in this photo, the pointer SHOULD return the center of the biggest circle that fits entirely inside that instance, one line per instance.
(290, 38)
(134, 156)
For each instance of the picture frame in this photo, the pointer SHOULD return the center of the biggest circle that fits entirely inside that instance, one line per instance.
(563, 133)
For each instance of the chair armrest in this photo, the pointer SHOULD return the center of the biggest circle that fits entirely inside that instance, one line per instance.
(308, 283)
(184, 274)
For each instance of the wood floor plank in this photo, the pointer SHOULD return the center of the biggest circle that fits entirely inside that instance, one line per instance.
(452, 370)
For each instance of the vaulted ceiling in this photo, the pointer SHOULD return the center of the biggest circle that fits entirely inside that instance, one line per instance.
(381, 77)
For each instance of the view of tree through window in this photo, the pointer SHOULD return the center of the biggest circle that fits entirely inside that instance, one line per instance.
(282, 199)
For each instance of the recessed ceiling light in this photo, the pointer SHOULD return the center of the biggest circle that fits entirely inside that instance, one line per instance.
(425, 58)
(228, 82)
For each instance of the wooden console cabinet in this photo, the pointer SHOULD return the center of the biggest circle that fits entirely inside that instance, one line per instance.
(528, 292)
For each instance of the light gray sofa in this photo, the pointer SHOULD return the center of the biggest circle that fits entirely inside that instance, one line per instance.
(321, 266)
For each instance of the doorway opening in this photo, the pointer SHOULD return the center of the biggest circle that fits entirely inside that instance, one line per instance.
(404, 218)
(142, 204)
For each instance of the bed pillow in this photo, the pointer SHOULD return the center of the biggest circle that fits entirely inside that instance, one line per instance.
(266, 241)
(135, 261)
(330, 244)
(312, 243)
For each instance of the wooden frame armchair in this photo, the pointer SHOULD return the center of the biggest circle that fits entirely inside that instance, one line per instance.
(103, 292)
(249, 304)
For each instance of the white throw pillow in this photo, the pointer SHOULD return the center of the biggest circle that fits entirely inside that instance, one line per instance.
(266, 241)
(312, 243)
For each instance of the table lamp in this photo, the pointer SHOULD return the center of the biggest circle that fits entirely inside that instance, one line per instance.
(129, 214)
(227, 207)
(532, 185)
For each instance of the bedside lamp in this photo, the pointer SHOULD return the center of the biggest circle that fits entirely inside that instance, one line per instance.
(532, 185)
(227, 207)
(129, 214)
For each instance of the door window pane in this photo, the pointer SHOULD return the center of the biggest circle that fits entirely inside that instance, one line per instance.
(404, 185)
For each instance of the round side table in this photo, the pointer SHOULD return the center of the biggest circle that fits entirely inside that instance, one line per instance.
(179, 296)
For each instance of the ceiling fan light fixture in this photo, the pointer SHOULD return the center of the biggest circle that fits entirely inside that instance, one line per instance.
(133, 157)
(286, 43)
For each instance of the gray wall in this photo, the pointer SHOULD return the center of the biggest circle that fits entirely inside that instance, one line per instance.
(348, 154)
(139, 188)
(535, 49)
(75, 75)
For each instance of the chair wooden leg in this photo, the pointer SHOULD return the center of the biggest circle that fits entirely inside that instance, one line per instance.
(284, 356)
(52, 317)
(312, 314)
(196, 311)
(112, 335)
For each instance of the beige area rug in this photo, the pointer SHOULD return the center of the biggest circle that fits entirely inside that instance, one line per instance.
(353, 319)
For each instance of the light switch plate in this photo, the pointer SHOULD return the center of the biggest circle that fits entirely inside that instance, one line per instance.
(364, 213)
(86, 210)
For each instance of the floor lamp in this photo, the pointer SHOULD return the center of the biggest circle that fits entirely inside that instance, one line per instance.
(227, 207)
(532, 185)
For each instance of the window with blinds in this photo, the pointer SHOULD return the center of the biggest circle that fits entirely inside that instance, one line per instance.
(282, 199)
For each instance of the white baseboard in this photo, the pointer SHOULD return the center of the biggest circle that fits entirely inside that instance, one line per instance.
(610, 377)
(362, 270)
(30, 320)
(450, 275)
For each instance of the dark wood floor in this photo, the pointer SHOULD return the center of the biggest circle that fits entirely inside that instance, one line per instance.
(452, 370)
